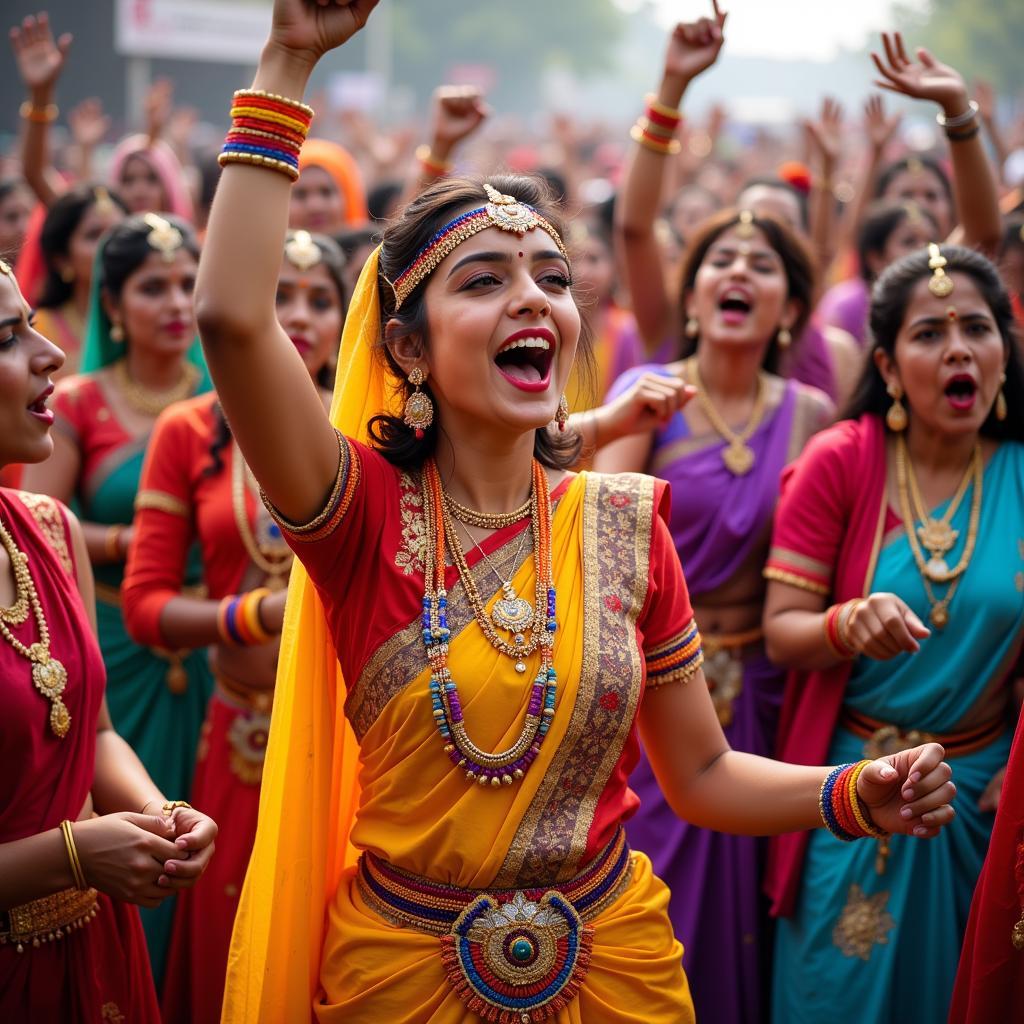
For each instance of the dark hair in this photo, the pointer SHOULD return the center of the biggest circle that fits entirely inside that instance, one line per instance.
(382, 199)
(403, 239)
(796, 262)
(882, 219)
(906, 163)
(1013, 236)
(351, 240)
(8, 186)
(558, 187)
(62, 220)
(126, 248)
(889, 300)
(333, 259)
(781, 185)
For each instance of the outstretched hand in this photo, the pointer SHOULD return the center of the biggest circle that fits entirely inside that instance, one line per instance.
(307, 29)
(925, 79)
(826, 134)
(694, 46)
(909, 792)
(879, 127)
(39, 57)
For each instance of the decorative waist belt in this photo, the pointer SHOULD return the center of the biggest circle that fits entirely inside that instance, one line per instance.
(48, 918)
(884, 738)
(513, 956)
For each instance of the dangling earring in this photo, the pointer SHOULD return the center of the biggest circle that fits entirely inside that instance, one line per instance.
(116, 332)
(692, 328)
(1001, 400)
(419, 409)
(562, 416)
(784, 337)
(896, 417)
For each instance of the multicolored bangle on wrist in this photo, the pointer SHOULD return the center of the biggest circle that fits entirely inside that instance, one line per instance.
(267, 130)
(432, 166)
(656, 129)
(845, 815)
(836, 619)
(238, 619)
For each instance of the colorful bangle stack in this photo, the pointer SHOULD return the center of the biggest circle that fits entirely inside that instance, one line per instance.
(656, 129)
(432, 166)
(238, 619)
(845, 815)
(38, 115)
(76, 865)
(836, 620)
(266, 130)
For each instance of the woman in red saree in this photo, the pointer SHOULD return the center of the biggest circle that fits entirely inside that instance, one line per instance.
(76, 843)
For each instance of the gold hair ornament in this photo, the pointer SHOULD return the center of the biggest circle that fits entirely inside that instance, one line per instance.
(302, 252)
(940, 284)
(5, 269)
(102, 201)
(745, 224)
(164, 237)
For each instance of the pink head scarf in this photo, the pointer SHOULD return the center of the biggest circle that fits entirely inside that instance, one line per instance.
(161, 158)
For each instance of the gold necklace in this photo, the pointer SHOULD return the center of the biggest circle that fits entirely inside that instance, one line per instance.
(939, 614)
(937, 535)
(48, 674)
(738, 456)
(273, 560)
(147, 401)
(485, 520)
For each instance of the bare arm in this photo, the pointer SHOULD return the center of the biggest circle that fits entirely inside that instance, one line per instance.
(825, 135)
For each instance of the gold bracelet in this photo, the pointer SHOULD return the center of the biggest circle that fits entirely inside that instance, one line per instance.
(112, 543)
(636, 133)
(661, 108)
(171, 805)
(76, 865)
(39, 115)
(305, 108)
(431, 163)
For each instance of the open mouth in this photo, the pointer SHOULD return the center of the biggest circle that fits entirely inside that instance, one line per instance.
(961, 391)
(525, 359)
(39, 409)
(735, 305)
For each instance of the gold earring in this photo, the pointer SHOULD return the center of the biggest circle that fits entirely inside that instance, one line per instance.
(1001, 409)
(784, 337)
(116, 332)
(692, 328)
(896, 417)
(419, 409)
(562, 416)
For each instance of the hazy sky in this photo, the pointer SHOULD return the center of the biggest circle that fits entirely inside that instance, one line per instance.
(786, 28)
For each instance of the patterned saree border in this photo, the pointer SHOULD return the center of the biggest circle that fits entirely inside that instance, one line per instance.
(551, 839)
(47, 514)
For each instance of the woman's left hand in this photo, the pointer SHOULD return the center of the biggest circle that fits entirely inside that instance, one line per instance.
(909, 792)
(928, 79)
(194, 833)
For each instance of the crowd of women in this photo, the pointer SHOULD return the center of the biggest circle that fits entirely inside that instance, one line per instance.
(697, 506)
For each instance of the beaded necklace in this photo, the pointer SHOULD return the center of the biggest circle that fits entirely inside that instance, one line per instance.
(146, 400)
(506, 766)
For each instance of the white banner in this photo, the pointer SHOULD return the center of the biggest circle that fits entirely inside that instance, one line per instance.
(222, 31)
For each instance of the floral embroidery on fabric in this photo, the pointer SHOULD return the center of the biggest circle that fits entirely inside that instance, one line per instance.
(610, 701)
(48, 518)
(863, 924)
(619, 500)
(612, 603)
(409, 556)
(111, 1012)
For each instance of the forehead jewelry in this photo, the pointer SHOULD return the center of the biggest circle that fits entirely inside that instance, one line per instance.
(914, 166)
(940, 284)
(501, 211)
(102, 201)
(913, 212)
(302, 252)
(163, 236)
(745, 224)
(951, 313)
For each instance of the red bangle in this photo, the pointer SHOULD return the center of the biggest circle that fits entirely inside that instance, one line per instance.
(661, 120)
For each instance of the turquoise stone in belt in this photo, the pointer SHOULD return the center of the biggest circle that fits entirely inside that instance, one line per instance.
(522, 949)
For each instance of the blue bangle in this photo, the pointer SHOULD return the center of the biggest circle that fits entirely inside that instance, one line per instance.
(828, 815)
(232, 625)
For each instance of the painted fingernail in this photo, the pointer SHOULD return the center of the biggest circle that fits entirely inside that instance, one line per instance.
(920, 830)
(906, 812)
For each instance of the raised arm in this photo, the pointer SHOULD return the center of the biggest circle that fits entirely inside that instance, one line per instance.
(40, 60)
(692, 48)
(276, 415)
(974, 184)
(825, 136)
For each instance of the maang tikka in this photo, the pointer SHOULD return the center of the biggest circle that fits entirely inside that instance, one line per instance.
(419, 409)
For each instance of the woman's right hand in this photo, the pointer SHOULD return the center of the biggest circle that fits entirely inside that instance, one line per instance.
(882, 626)
(123, 854)
(307, 30)
(40, 59)
(694, 46)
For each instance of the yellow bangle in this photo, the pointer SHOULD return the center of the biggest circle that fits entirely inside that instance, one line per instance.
(249, 609)
(112, 543)
(76, 864)
(39, 115)
(306, 109)
(667, 148)
(431, 163)
(661, 108)
(861, 813)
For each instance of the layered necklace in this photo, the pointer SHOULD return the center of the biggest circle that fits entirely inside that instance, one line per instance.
(266, 546)
(506, 766)
(150, 402)
(738, 456)
(48, 675)
(937, 535)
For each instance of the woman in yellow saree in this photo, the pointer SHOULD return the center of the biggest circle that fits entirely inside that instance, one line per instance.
(440, 822)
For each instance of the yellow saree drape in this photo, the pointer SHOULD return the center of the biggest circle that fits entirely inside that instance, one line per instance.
(305, 943)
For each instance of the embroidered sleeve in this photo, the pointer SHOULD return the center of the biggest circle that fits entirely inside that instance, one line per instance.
(50, 520)
(325, 522)
(677, 660)
(162, 502)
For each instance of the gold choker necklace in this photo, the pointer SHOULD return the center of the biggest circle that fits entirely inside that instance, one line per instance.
(148, 401)
(485, 520)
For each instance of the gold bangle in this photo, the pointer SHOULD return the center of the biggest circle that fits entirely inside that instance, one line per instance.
(286, 100)
(112, 543)
(431, 163)
(860, 810)
(249, 608)
(636, 133)
(170, 806)
(76, 865)
(39, 115)
(256, 160)
(660, 108)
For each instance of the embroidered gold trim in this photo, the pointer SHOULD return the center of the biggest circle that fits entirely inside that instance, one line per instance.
(162, 502)
(798, 561)
(46, 512)
(782, 576)
(409, 556)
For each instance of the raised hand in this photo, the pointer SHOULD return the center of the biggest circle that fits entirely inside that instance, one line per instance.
(307, 30)
(88, 124)
(650, 403)
(157, 105)
(826, 133)
(694, 46)
(909, 792)
(877, 126)
(925, 79)
(40, 59)
(458, 110)
(882, 626)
